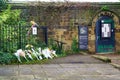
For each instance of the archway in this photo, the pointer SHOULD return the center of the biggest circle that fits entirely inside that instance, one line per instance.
(104, 34)
(111, 18)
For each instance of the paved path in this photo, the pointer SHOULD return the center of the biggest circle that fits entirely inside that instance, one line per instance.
(115, 58)
(67, 68)
(76, 59)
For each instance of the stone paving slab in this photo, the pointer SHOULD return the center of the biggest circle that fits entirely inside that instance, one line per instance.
(76, 59)
(63, 71)
(115, 58)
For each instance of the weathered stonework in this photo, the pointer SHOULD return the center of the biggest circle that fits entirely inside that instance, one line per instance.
(63, 21)
(92, 32)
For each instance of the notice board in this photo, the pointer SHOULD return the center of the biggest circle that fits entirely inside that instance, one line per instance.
(83, 37)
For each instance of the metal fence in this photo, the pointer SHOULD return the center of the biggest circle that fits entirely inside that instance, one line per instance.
(13, 37)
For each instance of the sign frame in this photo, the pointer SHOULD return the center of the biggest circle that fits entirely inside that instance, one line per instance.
(83, 37)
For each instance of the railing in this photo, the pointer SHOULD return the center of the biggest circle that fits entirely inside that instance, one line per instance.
(13, 37)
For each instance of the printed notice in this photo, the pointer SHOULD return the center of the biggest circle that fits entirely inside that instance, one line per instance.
(83, 38)
(34, 30)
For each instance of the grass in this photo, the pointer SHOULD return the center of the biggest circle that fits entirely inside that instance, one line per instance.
(43, 61)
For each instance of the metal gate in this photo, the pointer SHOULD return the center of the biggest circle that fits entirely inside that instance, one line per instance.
(105, 35)
(13, 37)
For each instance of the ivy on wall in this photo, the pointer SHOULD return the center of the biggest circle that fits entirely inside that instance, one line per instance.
(10, 17)
(10, 24)
(2, 4)
(105, 8)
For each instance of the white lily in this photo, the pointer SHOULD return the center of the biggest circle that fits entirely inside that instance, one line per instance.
(21, 53)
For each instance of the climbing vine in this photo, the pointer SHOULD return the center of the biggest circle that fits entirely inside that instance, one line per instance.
(2, 4)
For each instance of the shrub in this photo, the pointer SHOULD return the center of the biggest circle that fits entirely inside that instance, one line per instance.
(74, 46)
(2, 4)
(6, 58)
(12, 26)
(52, 44)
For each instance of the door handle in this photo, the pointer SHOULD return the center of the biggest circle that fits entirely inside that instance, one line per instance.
(97, 37)
(112, 30)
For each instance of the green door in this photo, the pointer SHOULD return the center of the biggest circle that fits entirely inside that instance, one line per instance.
(105, 35)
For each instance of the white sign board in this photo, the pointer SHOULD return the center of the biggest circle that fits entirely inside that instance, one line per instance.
(106, 32)
(34, 30)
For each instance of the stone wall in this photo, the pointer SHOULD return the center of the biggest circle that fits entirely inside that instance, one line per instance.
(63, 19)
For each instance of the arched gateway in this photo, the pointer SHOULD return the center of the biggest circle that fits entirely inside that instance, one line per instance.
(103, 33)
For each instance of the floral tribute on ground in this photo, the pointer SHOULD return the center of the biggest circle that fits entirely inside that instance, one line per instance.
(32, 53)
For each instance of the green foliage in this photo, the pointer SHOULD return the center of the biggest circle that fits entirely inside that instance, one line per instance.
(63, 53)
(35, 41)
(2, 4)
(72, 21)
(6, 58)
(41, 44)
(105, 8)
(10, 17)
(74, 46)
(12, 37)
(11, 30)
(52, 44)
(10, 23)
(118, 52)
